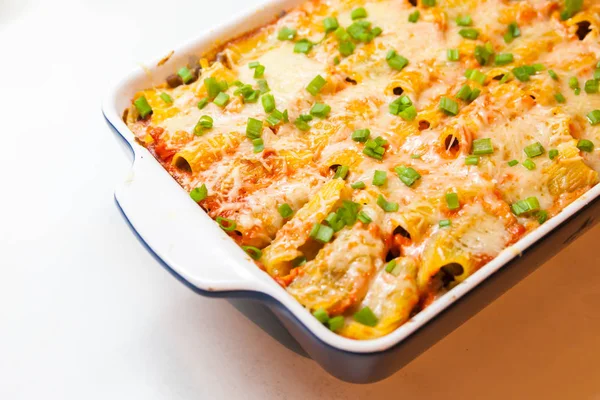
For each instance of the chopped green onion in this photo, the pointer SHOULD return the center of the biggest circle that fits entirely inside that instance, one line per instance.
(336, 60)
(593, 117)
(298, 261)
(512, 163)
(474, 94)
(303, 46)
(200, 193)
(364, 218)
(538, 67)
(185, 74)
(268, 102)
(365, 316)
(358, 13)
(301, 122)
(572, 7)
(452, 201)
(407, 175)
(525, 206)
(409, 113)
(585, 145)
(358, 185)
(321, 315)
(415, 156)
(227, 225)
(341, 34)
(321, 233)
(221, 100)
(464, 93)
(320, 110)
(453, 54)
(577, 91)
(414, 16)
(476, 76)
(259, 71)
(387, 206)
(285, 210)
(330, 24)
(472, 160)
(374, 148)
(205, 122)
(166, 98)
(258, 144)
(529, 164)
(142, 106)
(286, 33)
(542, 216)
(404, 108)
(505, 78)
(263, 86)
(316, 85)
(212, 87)
(483, 54)
(361, 135)
(389, 267)
(396, 61)
(464, 20)
(444, 223)
(360, 31)
(591, 86)
(560, 98)
(428, 3)
(469, 33)
(597, 74)
(202, 103)
(341, 172)
(534, 150)
(573, 82)
(346, 48)
(504, 58)
(336, 323)
(523, 72)
(253, 128)
(552, 154)
(482, 146)
(449, 106)
(254, 252)
(513, 32)
(275, 117)
(553, 74)
(379, 178)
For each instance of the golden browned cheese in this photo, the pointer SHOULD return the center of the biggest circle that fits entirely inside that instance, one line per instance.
(366, 199)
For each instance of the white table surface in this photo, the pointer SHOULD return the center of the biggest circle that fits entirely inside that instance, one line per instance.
(87, 313)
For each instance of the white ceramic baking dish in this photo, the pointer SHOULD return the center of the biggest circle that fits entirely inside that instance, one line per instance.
(198, 252)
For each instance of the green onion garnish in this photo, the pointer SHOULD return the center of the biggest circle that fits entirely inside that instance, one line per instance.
(166, 98)
(513, 32)
(552, 154)
(523, 72)
(303, 46)
(200, 193)
(364, 218)
(591, 86)
(202, 103)
(358, 185)
(286, 33)
(396, 61)
(330, 24)
(483, 54)
(529, 164)
(336, 323)
(452, 201)
(227, 225)
(366, 316)
(403, 107)
(258, 144)
(542, 216)
(573, 83)
(253, 128)
(316, 85)
(504, 58)
(453, 54)
(387, 206)
(321, 233)
(449, 106)
(585, 145)
(464, 93)
(321, 315)
(341, 172)
(212, 87)
(268, 102)
(525, 206)
(464, 20)
(593, 117)
(205, 122)
(361, 135)
(346, 48)
(476, 76)
(572, 7)
(254, 252)
(408, 175)
(414, 16)
(534, 150)
(444, 223)
(553, 74)
(379, 178)
(185, 74)
(275, 117)
(358, 13)
(285, 210)
(472, 160)
(428, 3)
(142, 106)
(259, 71)
(320, 110)
(512, 163)
(389, 267)
(482, 146)
(560, 98)
(469, 33)
(221, 100)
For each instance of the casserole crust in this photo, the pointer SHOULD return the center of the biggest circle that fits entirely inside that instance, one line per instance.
(370, 155)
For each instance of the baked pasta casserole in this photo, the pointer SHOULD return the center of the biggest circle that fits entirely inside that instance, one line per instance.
(370, 155)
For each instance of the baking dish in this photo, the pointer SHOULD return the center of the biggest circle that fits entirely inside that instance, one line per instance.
(205, 258)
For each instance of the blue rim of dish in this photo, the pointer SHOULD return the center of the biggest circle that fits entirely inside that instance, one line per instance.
(269, 299)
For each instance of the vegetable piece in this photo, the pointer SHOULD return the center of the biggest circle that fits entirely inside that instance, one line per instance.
(321, 233)
(476, 76)
(528, 205)
(341, 172)
(321, 315)
(316, 85)
(268, 102)
(464, 93)
(448, 106)
(396, 61)
(593, 117)
(542, 216)
(285, 210)
(186, 75)
(414, 16)
(254, 252)
(472, 160)
(585, 145)
(591, 86)
(212, 87)
(259, 145)
(482, 146)
(389, 267)
(386, 205)
(483, 54)
(303, 46)
(364, 218)
(336, 323)
(559, 97)
(142, 106)
(513, 32)
(504, 58)
(286, 34)
(202, 103)
(199, 193)
(553, 74)
(452, 201)
(166, 98)
(464, 20)
(572, 7)
(529, 164)
(469, 33)
(534, 150)
(444, 223)
(379, 178)
(453, 54)
(227, 225)
(365, 316)
(407, 175)
(320, 110)
(552, 154)
(254, 128)
(361, 135)
(512, 163)
(221, 100)
(358, 13)
(205, 122)
(428, 3)
(330, 24)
